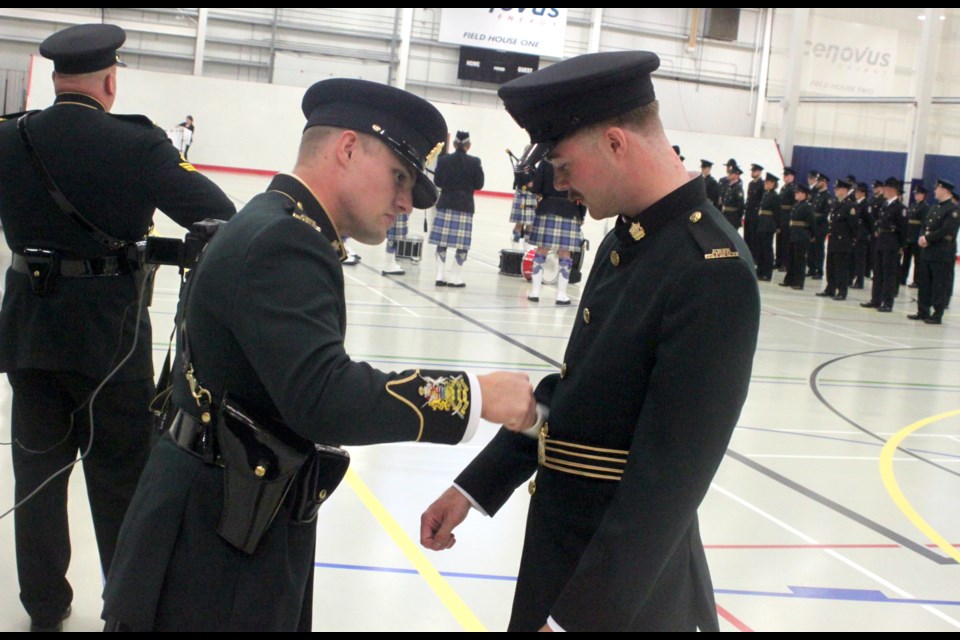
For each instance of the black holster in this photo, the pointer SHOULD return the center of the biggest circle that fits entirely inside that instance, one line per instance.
(318, 477)
(43, 269)
(259, 469)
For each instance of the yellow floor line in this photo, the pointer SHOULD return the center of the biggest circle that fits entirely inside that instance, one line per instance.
(461, 612)
(890, 482)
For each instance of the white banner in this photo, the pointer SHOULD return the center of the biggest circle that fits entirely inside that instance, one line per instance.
(849, 59)
(539, 32)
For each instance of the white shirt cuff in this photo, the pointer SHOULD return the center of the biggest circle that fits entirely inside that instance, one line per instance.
(473, 503)
(553, 625)
(476, 408)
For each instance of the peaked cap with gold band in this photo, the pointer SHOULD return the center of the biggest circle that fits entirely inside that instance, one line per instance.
(409, 125)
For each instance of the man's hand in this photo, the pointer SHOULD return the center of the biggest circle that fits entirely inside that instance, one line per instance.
(439, 520)
(922, 241)
(508, 400)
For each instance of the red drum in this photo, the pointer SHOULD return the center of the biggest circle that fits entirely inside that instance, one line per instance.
(551, 268)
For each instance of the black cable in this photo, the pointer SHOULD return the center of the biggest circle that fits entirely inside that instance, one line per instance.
(148, 273)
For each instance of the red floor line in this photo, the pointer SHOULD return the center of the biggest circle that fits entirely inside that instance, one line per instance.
(729, 617)
(813, 546)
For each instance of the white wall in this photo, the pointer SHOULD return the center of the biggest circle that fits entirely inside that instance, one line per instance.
(252, 125)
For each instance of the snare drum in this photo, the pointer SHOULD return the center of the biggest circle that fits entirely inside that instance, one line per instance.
(551, 268)
(511, 262)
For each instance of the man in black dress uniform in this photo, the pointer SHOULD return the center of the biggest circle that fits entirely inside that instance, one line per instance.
(671, 309)
(767, 227)
(861, 243)
(710, 183)
(752, 210)
(911, 251)
(265, 318)
(843, 228)
(70, 313)
(733, 202)
(801, 217)
(787, 199)
(889, 234)
(822, 201)
(937, 238)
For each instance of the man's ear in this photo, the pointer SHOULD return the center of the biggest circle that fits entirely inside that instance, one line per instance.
(347, 145)
(614, 140)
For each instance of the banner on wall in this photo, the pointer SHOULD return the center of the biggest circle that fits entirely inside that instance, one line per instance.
(844, 58)
(539, 32)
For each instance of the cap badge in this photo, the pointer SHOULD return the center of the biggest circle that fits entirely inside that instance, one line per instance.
(434, 152)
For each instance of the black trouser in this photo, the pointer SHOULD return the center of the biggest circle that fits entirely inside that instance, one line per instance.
(838, 273)
(733, 217)
(932, 279)
(750, 235)
(796, 267)
(886, 270)
(765, 254)
(44, 443)
(911, 253)
(816, 256)
(783, 246)
(859, 262)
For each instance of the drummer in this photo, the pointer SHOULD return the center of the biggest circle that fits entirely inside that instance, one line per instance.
(556, 226)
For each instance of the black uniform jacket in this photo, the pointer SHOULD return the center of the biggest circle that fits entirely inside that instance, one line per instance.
(768, 213)
(115, 170)
(549, 200)
(733, 203)
(266, 318)
(890, 226)
(713, 190)
(801, 218)
(457, 176)
(657, 365)
(865, 220)
(915, 215)
(823, 203)
(843, 226)
(940, 230)
(754, 196)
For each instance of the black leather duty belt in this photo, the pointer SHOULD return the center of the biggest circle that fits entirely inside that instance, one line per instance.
(580, 459)
(195, 438)
(92, 268)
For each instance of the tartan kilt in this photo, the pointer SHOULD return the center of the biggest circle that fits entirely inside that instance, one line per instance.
(554, 232)
(399, 229)
(524, 207)
(452, 228)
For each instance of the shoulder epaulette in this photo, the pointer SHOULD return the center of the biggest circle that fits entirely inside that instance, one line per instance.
(132, 117)
(711, 238)
(11, 116)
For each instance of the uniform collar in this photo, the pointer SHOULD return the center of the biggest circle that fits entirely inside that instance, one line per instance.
(81, 99)
(304, 206)
(674, 206)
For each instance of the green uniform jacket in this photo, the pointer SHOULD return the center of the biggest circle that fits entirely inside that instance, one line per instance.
(266, 319)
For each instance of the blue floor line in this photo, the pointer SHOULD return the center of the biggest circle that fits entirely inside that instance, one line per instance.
(875, 445)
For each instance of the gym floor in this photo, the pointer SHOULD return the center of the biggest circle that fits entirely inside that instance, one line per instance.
(835, 508)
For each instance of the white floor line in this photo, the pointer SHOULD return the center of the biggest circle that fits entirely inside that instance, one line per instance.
(381, 294)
